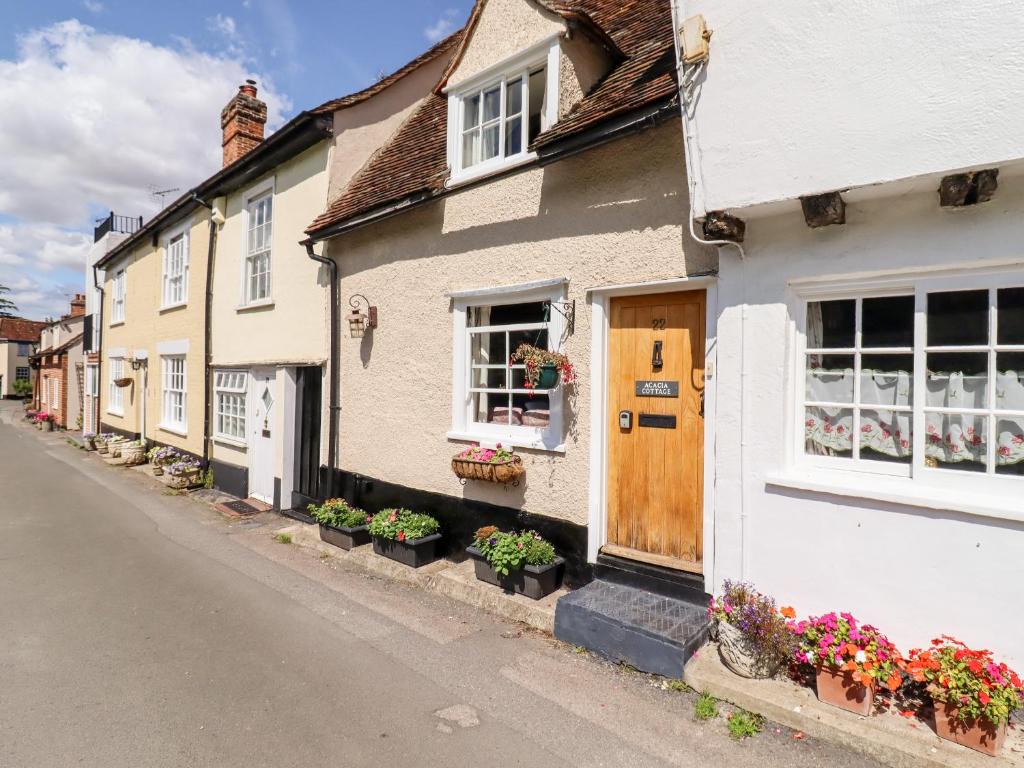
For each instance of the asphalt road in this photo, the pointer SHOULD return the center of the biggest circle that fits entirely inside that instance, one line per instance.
(139, 629)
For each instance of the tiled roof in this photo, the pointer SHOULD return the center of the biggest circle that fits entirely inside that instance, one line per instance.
(18, 329)
(415, 160)
(445, 47)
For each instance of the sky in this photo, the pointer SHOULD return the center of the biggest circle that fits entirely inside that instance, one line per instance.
(103, 102)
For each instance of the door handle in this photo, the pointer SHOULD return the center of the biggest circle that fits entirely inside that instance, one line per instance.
(656, 361)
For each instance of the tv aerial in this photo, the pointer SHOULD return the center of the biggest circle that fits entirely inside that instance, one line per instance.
(162, 193)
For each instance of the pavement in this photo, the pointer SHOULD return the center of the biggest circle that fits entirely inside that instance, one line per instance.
(139, 628)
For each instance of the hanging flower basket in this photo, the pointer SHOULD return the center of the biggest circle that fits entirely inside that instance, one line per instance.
(492, 466)
(122, 383)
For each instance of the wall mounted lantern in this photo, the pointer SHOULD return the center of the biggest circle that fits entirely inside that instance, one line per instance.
(359, 322)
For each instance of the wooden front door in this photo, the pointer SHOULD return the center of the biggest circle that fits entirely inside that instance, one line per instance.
(656, 429)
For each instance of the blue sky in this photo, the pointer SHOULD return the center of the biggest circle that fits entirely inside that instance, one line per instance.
(106, 100)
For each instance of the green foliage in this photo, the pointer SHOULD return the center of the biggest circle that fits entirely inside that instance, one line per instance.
(7, 307)
(338, 513)
(744, 725)
(22, 388)
(676, 686)
(706, 707)
(283, 538)
(403, 524)
(206, 479)
(507, 552)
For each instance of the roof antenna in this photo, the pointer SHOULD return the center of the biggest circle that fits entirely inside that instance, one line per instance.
(161, 193)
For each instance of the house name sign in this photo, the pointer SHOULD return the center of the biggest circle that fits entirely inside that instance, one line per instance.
(657, 389)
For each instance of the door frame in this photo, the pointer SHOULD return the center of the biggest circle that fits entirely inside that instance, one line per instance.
(251, 399)
(600, 302)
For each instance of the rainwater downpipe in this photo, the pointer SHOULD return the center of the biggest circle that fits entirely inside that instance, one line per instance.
(334, 362)
(211, 253)
(98, 334)
(693, 172)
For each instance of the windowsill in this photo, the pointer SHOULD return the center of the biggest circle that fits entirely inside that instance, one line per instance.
(490, 169)
(254, 305)
(119, 414)
(505, 440)
(172, 307)
(230, 441)
(899, 490)
(173, 430)
(115, 324)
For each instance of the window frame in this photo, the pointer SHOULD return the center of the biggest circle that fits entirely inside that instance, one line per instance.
(167, 300)
(92, 380)
(119, 296)
(241, 392)
(917, 473)
(545, 54)
(266, 189)
(17, 373)
(115, 394)
(167, 375)
(464, 428)
(24, 349)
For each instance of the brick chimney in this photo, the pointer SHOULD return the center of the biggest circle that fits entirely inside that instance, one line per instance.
(78, 305)
(242, 122)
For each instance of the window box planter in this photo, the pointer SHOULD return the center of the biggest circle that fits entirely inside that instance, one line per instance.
(980, 735)
(505, 472)
(345, 538)
(412, 552)
(839, 689)
(533, 581)
(122, 383)
(46, 426)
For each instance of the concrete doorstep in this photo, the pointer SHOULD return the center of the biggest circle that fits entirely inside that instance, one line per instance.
(886, 736)
(455, 580)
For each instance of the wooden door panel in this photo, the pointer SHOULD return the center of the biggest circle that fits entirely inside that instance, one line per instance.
(655, 475)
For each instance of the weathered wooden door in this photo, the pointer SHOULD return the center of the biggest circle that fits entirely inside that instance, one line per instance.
(656, 429)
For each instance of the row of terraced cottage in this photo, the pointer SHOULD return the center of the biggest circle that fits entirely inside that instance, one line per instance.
(795, 361)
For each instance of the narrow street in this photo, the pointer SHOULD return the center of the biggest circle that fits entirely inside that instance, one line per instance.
(143, 629)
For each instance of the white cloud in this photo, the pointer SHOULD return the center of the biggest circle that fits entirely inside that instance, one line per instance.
(91, 122)
(93, 6)
(446, 23)
(223, 24)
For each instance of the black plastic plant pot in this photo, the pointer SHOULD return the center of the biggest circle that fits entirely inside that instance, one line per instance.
(414, 553)
(533, 581)
(345, 538)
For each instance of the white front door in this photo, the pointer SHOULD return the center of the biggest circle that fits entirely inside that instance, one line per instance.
(262, 405)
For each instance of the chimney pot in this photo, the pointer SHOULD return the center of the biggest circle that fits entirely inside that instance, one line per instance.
(242, 122)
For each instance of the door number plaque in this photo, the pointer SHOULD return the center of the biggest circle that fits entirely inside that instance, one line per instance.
(657, 389)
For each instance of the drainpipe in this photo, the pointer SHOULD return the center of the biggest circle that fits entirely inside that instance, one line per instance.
(332, 438)
(97, 415)
(211, 253)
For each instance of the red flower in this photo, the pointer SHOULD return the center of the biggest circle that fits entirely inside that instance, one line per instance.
(984, 698)
(401, 535)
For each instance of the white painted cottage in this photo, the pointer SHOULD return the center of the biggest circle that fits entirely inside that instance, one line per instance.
(866, 412)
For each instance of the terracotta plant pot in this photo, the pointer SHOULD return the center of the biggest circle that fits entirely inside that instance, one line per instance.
(839, 689)
(739, 656)
(980, 735)
(505, 473)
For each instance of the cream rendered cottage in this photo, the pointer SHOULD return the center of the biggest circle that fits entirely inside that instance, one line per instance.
(537, 196)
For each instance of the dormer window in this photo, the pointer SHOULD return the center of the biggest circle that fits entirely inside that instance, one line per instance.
(495, 116)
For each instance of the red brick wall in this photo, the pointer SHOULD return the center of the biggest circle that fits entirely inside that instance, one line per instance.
(53, 368)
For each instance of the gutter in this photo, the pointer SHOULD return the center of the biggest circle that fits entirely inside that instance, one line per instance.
(211, 253)
(335, 371)
(633, 122)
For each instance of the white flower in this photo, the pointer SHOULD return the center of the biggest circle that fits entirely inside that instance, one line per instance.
(861, 657)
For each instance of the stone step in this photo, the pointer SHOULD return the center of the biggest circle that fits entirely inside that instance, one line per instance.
(652, 632)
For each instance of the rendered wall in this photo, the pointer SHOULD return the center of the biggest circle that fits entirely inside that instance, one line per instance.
(801, 98)
(913, 571)
(146, 326)
(610, 215)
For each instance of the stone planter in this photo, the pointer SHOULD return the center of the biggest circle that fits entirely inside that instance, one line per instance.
(739, 655)
(134, 455)
(533, 581)
(158, 471)
(102, 449)
(504, 473)
(412, 552)
(182, 481)
(115, 447)
(839, 689)
(46, 426)
(980, 735)
(345, 538)
(90, 444)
